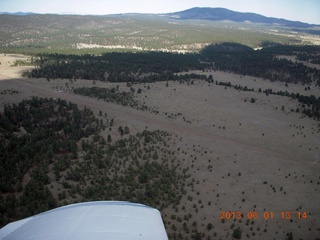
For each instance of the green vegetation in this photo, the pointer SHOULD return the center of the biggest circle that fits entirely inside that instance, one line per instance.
(9, 91)
(33, 34)
(237, 233)
(128, 173)
(310, 105)
(302, 53)
(115, 67)
(115, 96)
(108, 95)
(160, 66)
(243, 60)
(53, 154)
(23, 63)
(34, 134)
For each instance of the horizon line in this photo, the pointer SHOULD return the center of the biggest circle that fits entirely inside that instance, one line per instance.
(22, 13)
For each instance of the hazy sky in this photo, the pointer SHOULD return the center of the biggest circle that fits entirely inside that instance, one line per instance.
(298, 10)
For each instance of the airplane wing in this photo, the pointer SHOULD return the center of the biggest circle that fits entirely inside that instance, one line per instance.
(114, 220)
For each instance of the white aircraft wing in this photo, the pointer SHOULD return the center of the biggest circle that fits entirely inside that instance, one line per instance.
(114, 220)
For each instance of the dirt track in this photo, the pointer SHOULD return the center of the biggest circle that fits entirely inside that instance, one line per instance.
(140, 120)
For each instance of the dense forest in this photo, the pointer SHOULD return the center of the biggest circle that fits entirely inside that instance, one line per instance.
(114, 67)
(162, 66)
(34, 134)
(53, 154)
(303, 53)
(265, 63)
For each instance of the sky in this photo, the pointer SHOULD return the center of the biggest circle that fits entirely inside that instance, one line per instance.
(296, 10)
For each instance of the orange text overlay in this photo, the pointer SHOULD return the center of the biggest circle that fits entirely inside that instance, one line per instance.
(263, 215)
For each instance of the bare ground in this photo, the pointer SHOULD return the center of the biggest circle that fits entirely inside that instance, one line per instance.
(243, 156)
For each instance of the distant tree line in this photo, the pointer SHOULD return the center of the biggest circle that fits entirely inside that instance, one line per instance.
(237, 58)
(114, 67)
(310, 105)
(161, 66)
(304, 53)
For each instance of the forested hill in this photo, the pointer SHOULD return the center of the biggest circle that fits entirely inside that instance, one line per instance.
(222, 14)
(161, 66)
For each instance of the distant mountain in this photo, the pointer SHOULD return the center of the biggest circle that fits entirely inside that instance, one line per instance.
(212, 14)
(222, 14)
(18, 13)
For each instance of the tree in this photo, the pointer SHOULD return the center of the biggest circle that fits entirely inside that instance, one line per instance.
(121, 131)
(197, 236)
(289, 236)
(237, 233)
(126, 130)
